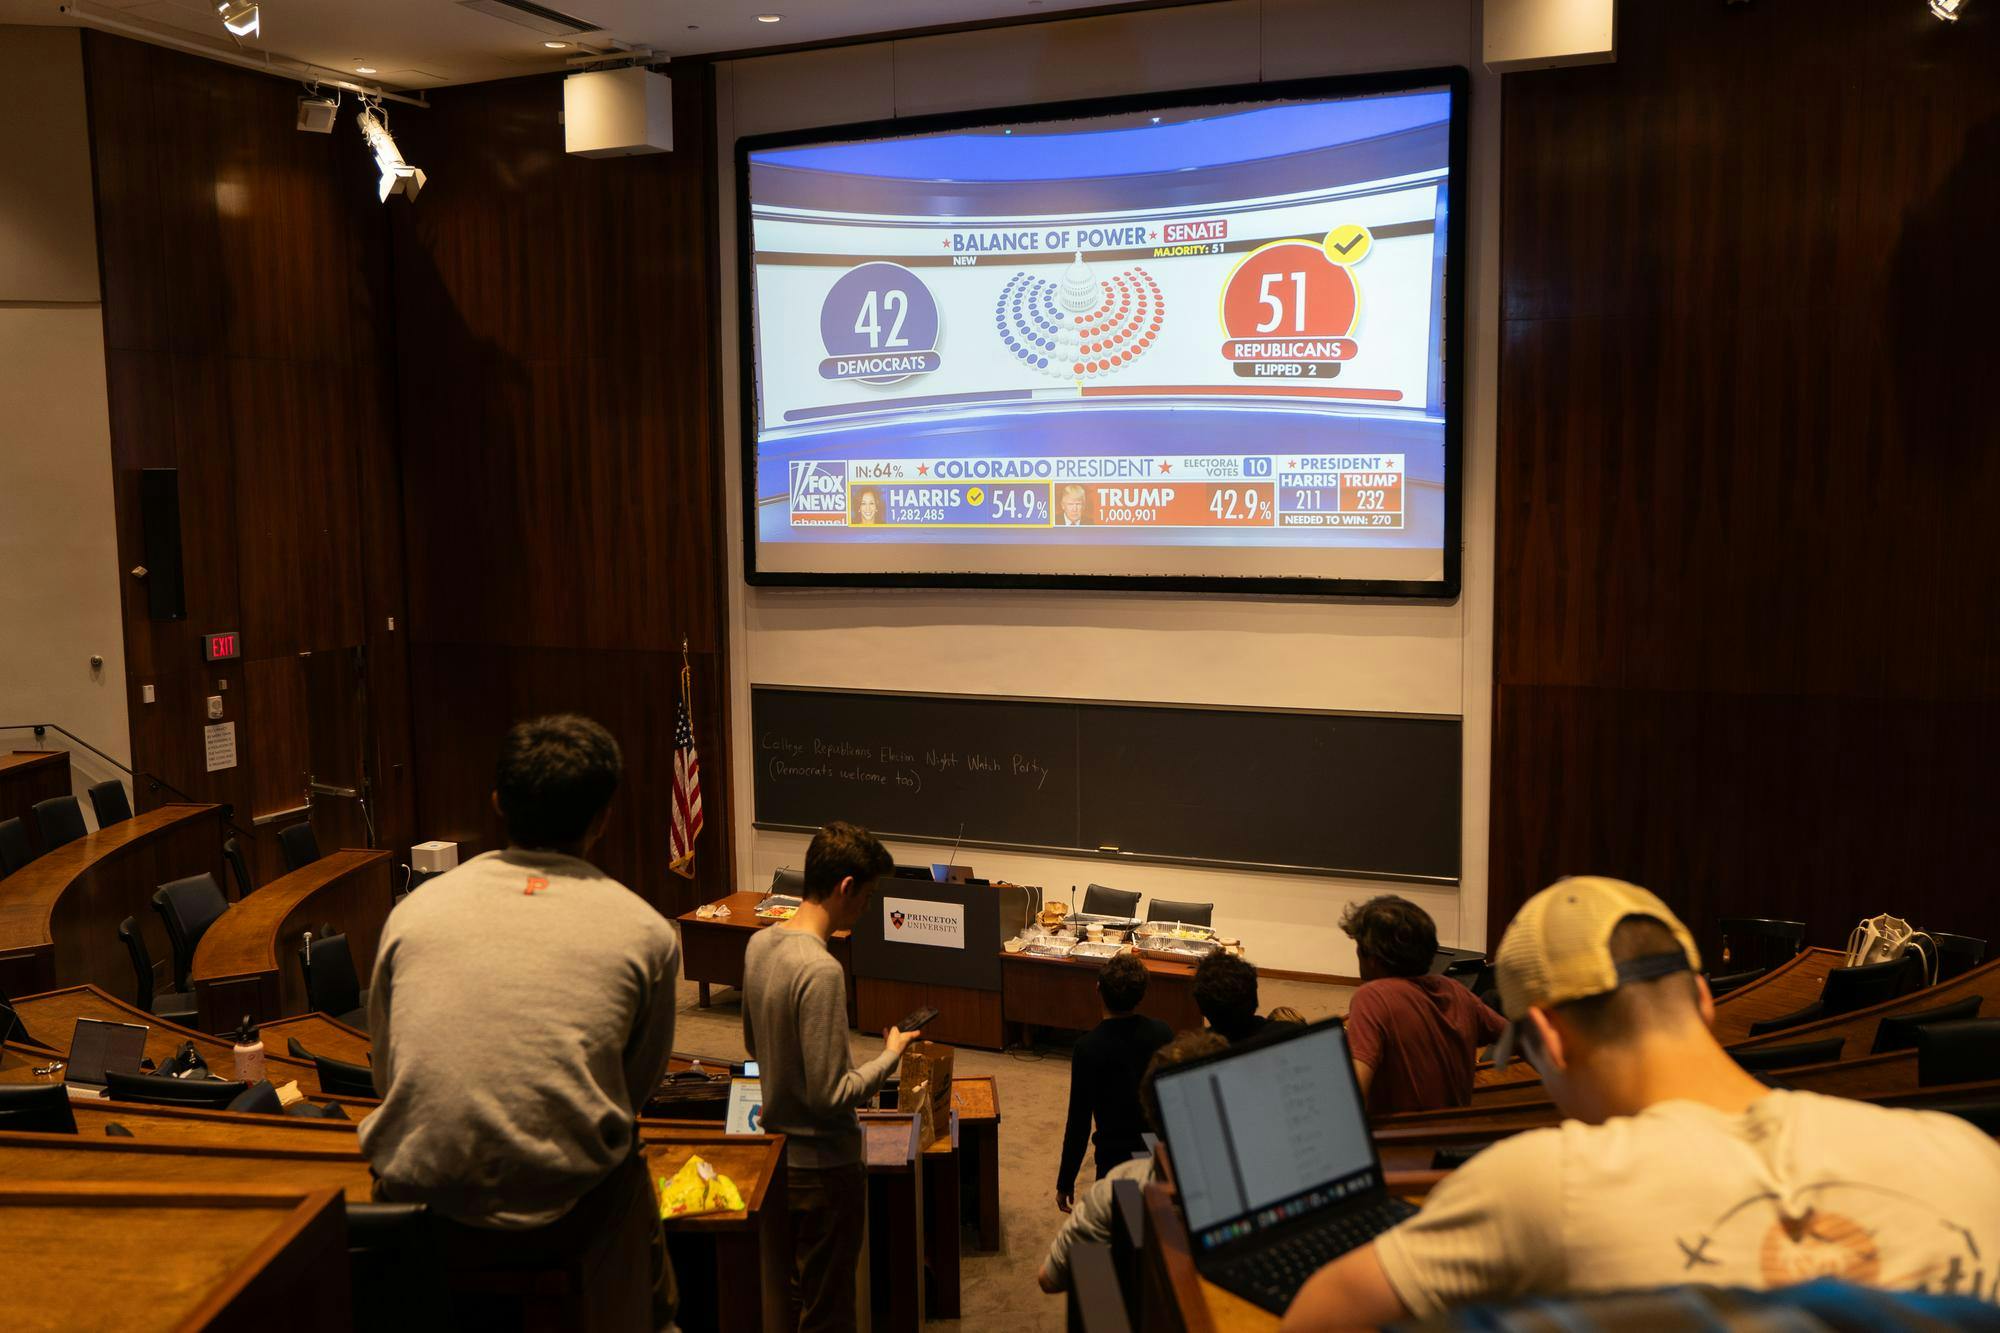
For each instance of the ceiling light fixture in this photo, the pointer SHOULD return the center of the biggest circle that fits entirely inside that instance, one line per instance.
(364, 69)
(1947, 10)
(769, 18)
(556, 46)
(240, 20)
(398, 176)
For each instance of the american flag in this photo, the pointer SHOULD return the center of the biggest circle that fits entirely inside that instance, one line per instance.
(687, 788)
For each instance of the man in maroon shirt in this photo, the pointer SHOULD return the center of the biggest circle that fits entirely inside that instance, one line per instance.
(1414, 1037)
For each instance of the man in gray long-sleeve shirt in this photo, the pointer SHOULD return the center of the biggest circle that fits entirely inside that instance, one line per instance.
(795, 1026)
(522, 1010)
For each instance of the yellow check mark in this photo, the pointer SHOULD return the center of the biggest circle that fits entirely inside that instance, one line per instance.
(1348, 243)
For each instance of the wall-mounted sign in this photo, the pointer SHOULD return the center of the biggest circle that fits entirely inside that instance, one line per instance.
(915, 921)
(223, 647)
(220, 738)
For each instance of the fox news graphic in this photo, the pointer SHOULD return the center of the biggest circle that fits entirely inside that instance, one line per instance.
(1202, 340)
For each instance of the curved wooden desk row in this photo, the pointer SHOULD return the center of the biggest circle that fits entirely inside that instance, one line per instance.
(27, 778)
(59, 914)
(247, 962)
(1858, 1028)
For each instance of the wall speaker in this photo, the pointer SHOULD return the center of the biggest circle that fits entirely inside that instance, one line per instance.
(160, 520)
(618, 113)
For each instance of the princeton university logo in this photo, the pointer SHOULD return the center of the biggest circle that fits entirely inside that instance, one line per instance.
(896, 920)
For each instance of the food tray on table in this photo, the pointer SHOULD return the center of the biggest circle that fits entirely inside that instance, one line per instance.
(778, 907)
(1096, 951)
(1091, 919)
(1176, 930)
(1049, 948)
(1170, 950)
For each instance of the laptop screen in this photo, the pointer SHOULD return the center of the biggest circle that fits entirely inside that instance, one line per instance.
(96, 1047)
(1266, 1134)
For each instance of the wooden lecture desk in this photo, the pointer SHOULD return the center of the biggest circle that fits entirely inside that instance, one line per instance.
(1857, 1029)
(140, 1258)
(712, 948)
(247, 961)
(975, 1102)
(28, 777)
(51, 1019)
(895, 1219)
(731, 1266)
(59, 914)
(1061, 993)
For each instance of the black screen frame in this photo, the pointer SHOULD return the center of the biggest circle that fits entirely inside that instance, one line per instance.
(1446, 588)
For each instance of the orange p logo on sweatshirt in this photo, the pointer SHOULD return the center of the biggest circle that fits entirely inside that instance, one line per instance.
(536, 884)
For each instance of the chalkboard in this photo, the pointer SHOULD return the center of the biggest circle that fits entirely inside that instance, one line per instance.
(1357, 794)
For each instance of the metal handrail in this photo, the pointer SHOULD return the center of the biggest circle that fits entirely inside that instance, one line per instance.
(155, 781)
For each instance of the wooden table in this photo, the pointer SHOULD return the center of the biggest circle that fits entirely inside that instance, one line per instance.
(712, 948)
(28, 777)
(51, 1020)
(895, 1219)
(731, 1266)
(140, 1258)
(1060, 993)
(335, 1164)
(247, 961)
(59, 915)
(1857, 1030)
(975, 1102)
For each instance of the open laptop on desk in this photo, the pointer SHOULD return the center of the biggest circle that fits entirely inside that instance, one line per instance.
(1273, 1163)
(96, 1047)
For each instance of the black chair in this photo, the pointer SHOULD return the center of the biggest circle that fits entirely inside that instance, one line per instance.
(1899, 1032)
(1790, 1057)
(232, 852)
(1967, 1051)
(208, 1094)
(13, 1029)
(1456, 963)
(1983, 1112)
(1848, 989)
(394, 1267)
(1757, 941)
(1957, 954)
(174, 1006)
(337, 1078)
(1187, 914)
(789, 881)
(331, 984)
(109, 801)
(14, 849)
(1096, 1305)
(188, 907)
(297, 1049)
(1100, 901)
(36, 1108)
(299, 845)
(59, 820)
(1721, 986)
(260, 1097)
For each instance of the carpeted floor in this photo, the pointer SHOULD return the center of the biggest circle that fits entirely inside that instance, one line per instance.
(1034, 1095)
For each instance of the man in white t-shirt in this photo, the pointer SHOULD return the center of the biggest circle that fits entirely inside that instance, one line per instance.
(1676, 1166)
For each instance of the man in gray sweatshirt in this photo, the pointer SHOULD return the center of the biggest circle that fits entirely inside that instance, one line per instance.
(522, 1009)
(795, 1027)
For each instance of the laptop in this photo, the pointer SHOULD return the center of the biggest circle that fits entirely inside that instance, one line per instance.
(97, 1047)
(950, 874)
(1276, 1170)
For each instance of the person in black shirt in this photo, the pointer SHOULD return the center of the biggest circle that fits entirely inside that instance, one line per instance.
(1104, 1077)
(1225, 990)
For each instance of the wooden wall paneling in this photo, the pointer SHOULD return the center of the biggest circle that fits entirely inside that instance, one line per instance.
(1746, 635)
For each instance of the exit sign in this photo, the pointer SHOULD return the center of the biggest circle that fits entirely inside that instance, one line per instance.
(222, 647)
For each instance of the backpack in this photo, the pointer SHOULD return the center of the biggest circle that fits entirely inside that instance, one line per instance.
(1884, 938)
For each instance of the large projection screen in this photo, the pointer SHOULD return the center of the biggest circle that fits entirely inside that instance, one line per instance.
(1204, 340)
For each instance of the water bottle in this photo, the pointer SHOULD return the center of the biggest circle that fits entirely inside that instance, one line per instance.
(249, 1053)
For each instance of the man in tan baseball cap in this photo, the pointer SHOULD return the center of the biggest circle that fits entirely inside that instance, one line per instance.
(1675, 1166)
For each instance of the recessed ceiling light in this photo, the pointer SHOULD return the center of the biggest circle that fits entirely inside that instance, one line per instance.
(364, 69)
(1156, 120)
(769, 18)
(556, 46)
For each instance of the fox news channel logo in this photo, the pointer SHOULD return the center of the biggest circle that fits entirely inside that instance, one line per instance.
(819, 493)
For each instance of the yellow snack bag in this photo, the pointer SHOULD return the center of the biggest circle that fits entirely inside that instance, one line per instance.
(698, 1188)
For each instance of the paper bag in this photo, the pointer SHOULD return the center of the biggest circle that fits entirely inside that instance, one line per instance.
(925, 1080)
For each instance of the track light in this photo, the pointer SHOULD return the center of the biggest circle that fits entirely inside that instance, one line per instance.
(240, 19)
(1948, 10)
(398, 176)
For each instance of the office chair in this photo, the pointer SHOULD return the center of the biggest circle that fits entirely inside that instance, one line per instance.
(1757, 941)
(297, 1049)
(174, 1006)
(260, 1097)
(14, 849)
(36, 1108)
(1187, 914)
(109, 801)
(1101, 901)
(232, 852)
(1848, 989)
(394, 1267)
(299, 845)
(331, 984)
(1957, 954)
(1899, 1033)
(13, 1029)
(337, 1078)
(59, 820)
(1967, 1051)
(789, 881)
(208, 1094)
(1720, 986)
(1790, 1057)
(188, 907)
